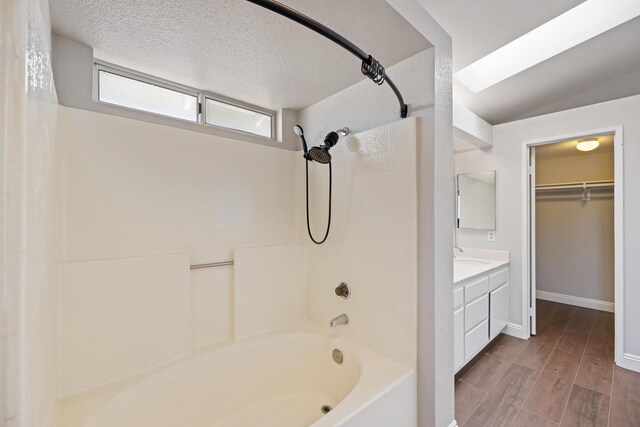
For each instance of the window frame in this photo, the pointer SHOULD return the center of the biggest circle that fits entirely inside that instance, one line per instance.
(241, 105)
(201, 97)
(143, 78)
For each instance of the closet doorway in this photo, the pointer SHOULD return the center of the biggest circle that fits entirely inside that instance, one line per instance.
(573, 243)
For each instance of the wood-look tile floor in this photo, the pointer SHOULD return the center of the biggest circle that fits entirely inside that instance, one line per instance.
(563, 376)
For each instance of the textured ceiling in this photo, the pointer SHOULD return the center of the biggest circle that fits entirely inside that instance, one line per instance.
(604, 68)
(237, 49)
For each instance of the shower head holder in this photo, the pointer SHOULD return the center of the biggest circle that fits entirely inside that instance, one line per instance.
(320, 153)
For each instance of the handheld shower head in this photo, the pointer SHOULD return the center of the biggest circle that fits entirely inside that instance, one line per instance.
(320, 153)
(297, 129)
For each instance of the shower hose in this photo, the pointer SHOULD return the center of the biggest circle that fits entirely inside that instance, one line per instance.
(326, 234)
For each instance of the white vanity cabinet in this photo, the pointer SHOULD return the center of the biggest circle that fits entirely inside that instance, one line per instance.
(480, 312)
(498, 301)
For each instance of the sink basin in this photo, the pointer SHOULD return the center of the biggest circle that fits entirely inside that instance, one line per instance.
(470, 262)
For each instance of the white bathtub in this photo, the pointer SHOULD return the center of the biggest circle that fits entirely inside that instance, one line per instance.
(279, 381)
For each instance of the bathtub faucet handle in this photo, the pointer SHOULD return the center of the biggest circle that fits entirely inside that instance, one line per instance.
(343, 290)
(343, 319)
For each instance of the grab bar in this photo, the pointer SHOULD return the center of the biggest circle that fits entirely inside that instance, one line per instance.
(210, 265)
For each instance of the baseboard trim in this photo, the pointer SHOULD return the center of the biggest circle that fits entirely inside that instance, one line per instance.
(579, 301)
(630, 361)
(515, 331)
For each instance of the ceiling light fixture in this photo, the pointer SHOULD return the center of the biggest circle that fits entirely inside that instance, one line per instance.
(588, 144)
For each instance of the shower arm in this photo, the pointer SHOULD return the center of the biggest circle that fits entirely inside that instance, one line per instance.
(370, 67)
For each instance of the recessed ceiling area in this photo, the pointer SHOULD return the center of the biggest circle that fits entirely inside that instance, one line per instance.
(237, 49)
(602, 68)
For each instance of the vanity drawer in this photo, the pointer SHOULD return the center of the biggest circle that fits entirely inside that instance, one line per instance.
(458, 297)
(498, 278)
(475, 339)
(476, 312)
(476, 289)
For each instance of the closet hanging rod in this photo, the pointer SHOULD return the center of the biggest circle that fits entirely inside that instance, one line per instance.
(575, 185)
(370, 67)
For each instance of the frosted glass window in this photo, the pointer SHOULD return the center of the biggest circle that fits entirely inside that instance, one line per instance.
(131, 93)
(238, 118)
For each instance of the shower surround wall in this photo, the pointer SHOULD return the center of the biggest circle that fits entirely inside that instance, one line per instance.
(140, 203)
(372, 245)
(29, 243)
(424, 79)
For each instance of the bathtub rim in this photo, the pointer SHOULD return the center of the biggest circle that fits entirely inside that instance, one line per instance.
(77, 409)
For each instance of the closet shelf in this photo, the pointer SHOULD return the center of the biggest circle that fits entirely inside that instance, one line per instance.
(585, 187)
(574, 185)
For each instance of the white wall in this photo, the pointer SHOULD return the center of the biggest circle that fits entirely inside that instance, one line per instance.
(136, 194)
(133, 188)
(505, 157)
(574, 239)
(29, 217)
(425, 81)
(470, 127)
(435, 228)
(372, 243)
(120, 317)
(270, 289)
(371, 237)
(365, 105)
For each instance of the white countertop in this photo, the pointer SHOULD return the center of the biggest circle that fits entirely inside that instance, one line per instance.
(473, 262)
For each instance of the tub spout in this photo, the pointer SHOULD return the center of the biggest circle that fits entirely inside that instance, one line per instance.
(343, 319)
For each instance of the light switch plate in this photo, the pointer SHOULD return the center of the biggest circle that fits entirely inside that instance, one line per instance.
(491, 236)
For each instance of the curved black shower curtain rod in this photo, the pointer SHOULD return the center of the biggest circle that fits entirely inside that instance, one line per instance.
(370, 67)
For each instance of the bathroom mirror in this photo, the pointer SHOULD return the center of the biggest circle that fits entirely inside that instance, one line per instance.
(476, 198)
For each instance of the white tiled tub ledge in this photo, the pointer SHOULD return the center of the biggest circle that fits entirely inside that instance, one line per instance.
(281, 379)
